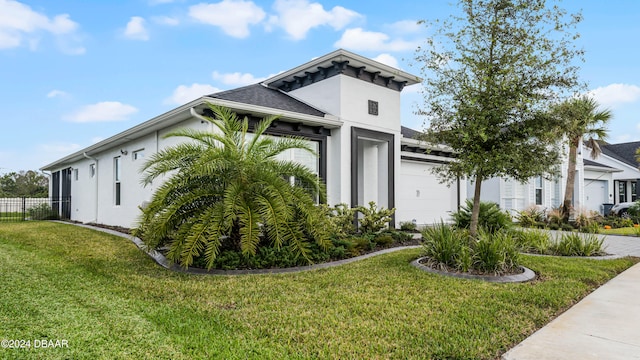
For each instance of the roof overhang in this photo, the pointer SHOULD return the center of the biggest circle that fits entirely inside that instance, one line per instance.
(340, 56)
(602, 168)
(183, 113)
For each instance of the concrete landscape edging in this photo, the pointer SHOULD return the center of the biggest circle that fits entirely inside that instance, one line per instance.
(161, 260)
(526, 275)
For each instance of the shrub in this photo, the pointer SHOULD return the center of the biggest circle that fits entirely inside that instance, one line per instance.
(399, 236)
(533, 241)
(341, 218)
(42, 212)
(373, 219)
(566, 227)
(383, 239)
(449, 247)
(553, 226)
(408, 226)
(490, 216)
(577, 245)
(495, 252)
(530, 216)
(634, 210)
(442, 244)
(554, 216)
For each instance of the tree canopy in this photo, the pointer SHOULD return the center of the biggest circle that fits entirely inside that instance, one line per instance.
(491, 74)
(24, 184)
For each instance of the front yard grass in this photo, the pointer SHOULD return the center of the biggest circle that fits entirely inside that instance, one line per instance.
(109, 300)
(630, 230)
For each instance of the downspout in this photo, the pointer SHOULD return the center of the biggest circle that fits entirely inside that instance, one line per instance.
(198, 116)
(97, 177)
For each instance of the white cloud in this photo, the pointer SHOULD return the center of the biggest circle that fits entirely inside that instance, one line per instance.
(183, 93)
(232, 16)
(387, 60)
(405, 27)
(297, 17)
(57, 93)
(136, 30)
(237, 78)
(358, 39)
(166, 20)
(59, 148)
(96, 139)
(102, 112)
(616, 94)
(20, 24)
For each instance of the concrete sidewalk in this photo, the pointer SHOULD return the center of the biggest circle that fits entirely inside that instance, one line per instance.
(603, 325)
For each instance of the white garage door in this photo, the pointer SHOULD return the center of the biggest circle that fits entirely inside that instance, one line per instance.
(421, 197)
(595, 194)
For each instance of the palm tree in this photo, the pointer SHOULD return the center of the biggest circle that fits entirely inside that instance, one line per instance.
(226, 189)
(581, 121)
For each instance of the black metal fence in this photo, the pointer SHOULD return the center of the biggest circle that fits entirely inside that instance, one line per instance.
(23, 209)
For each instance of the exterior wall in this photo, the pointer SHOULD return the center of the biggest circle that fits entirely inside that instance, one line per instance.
(514, 196)
(347, 98)
(627, 173)
(93, 198)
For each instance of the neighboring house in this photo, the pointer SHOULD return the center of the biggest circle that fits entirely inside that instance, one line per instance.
(346, 105)
(599, 183)
(622, 157)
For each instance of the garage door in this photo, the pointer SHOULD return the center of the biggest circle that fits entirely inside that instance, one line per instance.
(421, 197)
(595, 194)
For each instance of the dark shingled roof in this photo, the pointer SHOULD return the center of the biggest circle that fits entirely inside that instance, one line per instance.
(593, 163)
(625, 152)
(260, 95)
(409, 133)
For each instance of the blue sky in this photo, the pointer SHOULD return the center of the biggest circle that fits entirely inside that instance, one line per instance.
(74, 72)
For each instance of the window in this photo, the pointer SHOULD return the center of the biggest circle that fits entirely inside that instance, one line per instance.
(633, 191)
(622, 191)
(117, 173)
(75, 174)
(373, 107)
(538, 188)
(138, 154)
(92, 170)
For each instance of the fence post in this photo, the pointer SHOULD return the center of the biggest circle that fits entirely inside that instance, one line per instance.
(24, 208)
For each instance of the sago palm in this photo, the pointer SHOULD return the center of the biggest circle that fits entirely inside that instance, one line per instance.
(581, 120)
(226, 189)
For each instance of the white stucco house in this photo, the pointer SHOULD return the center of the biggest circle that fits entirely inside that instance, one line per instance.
(348, 108)
(600, 182)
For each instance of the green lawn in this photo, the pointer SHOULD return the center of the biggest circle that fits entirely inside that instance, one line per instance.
(621, 231)
(110, 301)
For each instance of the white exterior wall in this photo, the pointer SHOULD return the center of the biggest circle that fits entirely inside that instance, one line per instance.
(347, 98)
(87, 207)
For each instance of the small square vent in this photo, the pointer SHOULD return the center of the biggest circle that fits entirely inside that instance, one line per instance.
(373, 107)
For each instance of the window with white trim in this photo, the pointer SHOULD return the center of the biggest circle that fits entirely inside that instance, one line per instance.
(538, 190)
(138, 154)
(117, 168)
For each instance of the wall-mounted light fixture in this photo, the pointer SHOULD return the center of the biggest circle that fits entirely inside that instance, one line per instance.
(123, 152)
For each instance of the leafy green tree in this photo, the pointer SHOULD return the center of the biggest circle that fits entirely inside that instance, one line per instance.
(24, 184)
(491, 74)
(226, 189)
(581, 121)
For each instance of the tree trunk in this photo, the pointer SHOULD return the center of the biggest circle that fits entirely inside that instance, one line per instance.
(567, 204)
(475, 211)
